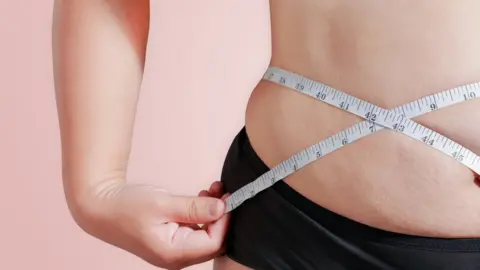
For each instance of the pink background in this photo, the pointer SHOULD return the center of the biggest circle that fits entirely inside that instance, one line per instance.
(205, 56)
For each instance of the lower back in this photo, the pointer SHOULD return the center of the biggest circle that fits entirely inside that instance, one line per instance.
(387, 53)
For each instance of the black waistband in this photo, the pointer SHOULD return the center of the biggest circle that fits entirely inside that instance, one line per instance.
(280, 216)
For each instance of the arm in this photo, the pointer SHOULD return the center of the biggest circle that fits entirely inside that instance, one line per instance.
(99, 53)
(99, 49)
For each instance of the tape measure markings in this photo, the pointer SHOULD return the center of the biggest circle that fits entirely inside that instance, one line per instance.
(370, 111)
(367, 110)
(396, 119)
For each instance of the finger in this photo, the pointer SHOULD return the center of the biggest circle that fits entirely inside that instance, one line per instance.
(217, 227)
(181, 234)
(204, 193)
(217, 230)
(214, 232)
(225, 196)
(192, 210)
(216, 189)
(206, 243)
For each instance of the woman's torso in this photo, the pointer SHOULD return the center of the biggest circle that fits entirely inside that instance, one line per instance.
(387, 53)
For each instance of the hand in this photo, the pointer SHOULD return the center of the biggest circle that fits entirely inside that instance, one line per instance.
(163, 229)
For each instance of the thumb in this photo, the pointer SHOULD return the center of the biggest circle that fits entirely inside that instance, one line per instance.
(194, 210)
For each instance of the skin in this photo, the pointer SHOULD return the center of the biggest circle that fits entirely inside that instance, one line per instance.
(387, 53)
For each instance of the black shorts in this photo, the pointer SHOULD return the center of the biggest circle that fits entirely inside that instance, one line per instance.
(281, 229)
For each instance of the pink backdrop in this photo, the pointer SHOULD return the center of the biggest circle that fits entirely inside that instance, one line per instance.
(204, 59)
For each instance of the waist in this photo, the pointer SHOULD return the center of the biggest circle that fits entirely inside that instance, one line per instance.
(385, 180)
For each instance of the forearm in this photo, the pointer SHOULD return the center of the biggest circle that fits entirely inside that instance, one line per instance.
(99, 50)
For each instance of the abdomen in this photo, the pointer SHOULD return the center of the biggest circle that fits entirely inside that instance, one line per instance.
(388, 54)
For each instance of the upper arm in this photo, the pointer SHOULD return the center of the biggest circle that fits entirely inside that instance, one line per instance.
(99, 49)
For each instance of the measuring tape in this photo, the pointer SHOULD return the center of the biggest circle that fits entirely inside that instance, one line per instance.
(397, 119)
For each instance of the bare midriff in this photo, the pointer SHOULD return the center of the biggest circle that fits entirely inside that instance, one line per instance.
(388, 53)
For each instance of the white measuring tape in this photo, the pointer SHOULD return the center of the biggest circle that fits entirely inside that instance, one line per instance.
(397, 119)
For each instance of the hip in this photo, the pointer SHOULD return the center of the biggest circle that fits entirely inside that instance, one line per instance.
(281, 229)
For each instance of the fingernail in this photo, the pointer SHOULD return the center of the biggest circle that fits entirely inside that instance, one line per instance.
(225, 196)
(215, 208)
